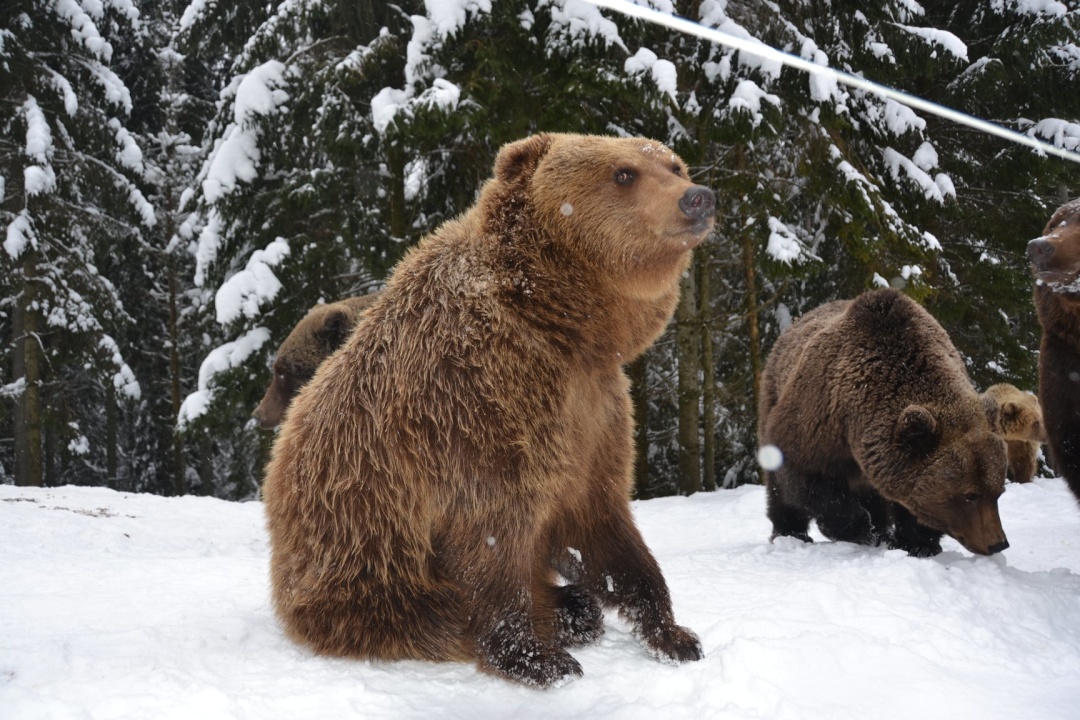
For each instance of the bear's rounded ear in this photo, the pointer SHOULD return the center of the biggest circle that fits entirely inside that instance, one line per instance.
(995, 412)
(917, 429)
(518, 160)
(336, 328)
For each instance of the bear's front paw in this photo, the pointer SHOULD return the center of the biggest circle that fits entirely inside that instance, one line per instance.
(673, 644)
(922, 548)
(539, 668)
(579, 619)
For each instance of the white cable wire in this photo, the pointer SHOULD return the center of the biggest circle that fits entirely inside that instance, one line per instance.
(755, 47)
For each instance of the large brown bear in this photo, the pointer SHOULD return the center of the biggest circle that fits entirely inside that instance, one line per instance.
(1055, 260)
(323, 330)
(1020, 425)
(472, 438)
(878, 424)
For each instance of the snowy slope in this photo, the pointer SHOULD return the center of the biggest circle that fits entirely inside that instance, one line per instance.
(137, 606)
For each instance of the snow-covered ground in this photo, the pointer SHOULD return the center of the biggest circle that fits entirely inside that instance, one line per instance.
(136, 606)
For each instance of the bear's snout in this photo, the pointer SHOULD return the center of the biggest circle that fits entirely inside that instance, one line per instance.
(1003, 545)
(698, 203)
(1039, 252)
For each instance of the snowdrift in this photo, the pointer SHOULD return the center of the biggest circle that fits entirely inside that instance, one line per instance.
(115, 605)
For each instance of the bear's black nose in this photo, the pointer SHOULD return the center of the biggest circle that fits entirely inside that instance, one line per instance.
(994, 549)
(1039, 252)
(698, 203)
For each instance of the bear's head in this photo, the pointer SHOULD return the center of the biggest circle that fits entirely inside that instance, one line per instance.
(956, 469)
(1055, 257)
(625, 204)
(323, 330)
(1019, 415)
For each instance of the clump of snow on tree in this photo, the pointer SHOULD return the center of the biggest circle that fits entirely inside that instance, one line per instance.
(230, 355)
(663, 72)
(259, 92)
(244, 292)
(747, 97)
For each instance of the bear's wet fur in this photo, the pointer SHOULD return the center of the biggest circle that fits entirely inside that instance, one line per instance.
(882, 435)
(472, 439)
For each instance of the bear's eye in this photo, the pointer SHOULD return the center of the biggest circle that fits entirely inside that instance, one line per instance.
(624, 176)
(970, 497)
(677, 170)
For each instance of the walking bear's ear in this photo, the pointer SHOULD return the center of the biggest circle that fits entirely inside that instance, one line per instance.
(917, 429)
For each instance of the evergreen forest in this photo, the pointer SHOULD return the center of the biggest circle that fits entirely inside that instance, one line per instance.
(181, 180)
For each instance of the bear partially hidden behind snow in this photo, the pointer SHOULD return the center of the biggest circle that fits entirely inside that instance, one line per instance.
(882, 435)
(473, 435)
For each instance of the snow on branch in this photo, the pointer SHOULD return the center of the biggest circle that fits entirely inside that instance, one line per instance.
(449, 16)
(230, 355)
(244, 292)
(935, 36)
(932, 189)
(236, 156)
(663, 72)
(83, 28)
(1062, 133)
(576, 20)
(124, 380)
(20, 233)
(784, 245)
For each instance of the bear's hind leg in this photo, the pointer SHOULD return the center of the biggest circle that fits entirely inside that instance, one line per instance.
(787, 520)
(563, 615)
(497, 580)
(844, 516)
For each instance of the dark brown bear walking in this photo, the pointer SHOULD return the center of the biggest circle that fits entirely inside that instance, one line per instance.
(1055, 259)
(473, 436)
(877, 422)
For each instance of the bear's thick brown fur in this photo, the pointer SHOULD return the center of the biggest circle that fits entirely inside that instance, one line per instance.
(1020, 424)
(1055, 260)
(323, 330)
(473, 436)
(878, 425)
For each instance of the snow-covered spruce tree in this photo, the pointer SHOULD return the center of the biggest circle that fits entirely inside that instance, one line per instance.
(71, 208)
(294, 205)
(1023, 59)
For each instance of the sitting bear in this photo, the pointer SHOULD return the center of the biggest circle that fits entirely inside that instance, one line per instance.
(472, 438)
(318, 334)
(878, 424)
(1020, 425)
(1055, 260)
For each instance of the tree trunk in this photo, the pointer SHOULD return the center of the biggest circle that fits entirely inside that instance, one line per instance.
(27, 366)
(111, 434)
(708, 378)
(751, 306)
(206, 468)
(688, 352)
(179, 476)
(639, 396)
